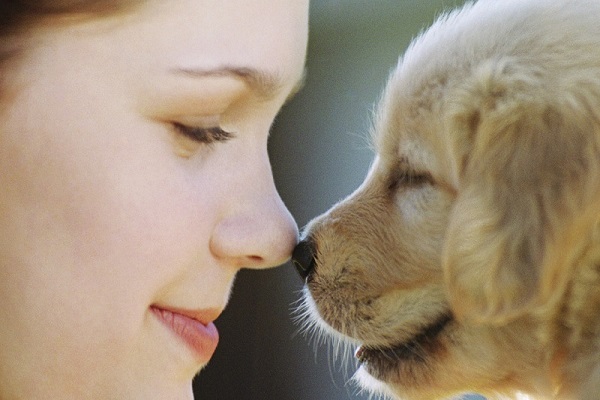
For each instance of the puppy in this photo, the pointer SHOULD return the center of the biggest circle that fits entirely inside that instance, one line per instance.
(469, 259)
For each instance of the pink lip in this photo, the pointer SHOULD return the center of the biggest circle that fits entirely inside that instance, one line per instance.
(195, 328)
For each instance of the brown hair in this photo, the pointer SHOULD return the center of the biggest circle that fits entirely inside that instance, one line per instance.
(18, 16)
(15, 13)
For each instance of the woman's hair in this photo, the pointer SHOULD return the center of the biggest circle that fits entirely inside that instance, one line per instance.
(18, 16)
(14, 14)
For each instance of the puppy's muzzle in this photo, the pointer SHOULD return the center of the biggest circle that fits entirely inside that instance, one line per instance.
(303, 258)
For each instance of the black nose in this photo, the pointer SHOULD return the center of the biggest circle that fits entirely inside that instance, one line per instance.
(303, 258)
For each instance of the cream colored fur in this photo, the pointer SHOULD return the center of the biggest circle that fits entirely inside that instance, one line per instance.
(484, 203)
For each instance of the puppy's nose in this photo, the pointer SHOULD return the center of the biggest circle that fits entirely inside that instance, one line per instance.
(303, 258)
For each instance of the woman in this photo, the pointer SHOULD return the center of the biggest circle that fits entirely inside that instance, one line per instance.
(135, 184)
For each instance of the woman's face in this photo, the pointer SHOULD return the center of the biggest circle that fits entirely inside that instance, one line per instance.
(135, 184)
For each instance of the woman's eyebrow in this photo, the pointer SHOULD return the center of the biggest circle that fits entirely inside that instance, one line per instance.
(266, 85)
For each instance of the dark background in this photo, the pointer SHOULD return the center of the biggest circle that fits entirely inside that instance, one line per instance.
(319, 151)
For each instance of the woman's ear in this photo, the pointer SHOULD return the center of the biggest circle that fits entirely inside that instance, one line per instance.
(529, 193)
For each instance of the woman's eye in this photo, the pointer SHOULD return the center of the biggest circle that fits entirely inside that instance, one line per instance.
(203, 135)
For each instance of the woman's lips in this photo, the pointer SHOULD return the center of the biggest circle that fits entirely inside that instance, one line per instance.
(195, 328)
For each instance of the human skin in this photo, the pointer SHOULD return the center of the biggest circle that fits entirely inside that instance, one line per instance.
(109, 211)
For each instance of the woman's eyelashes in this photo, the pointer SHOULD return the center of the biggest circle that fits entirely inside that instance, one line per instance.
(203, 135)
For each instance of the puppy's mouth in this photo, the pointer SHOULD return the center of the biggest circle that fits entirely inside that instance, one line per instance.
(378, 361)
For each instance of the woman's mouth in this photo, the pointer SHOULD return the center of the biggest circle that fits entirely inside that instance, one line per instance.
(194, 328)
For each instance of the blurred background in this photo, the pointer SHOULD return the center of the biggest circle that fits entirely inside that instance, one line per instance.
(320, 154)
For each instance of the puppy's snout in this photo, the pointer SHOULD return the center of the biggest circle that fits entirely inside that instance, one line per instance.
(303, 258)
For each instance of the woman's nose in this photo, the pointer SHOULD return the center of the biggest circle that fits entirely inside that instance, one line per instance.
(259, 231)
(259, 237)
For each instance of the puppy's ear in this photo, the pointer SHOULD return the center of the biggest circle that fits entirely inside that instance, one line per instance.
(528, 169)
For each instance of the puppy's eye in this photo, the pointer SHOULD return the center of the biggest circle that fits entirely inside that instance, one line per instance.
(415, 179)
(203, 135)
(410, 179)
(405, 175)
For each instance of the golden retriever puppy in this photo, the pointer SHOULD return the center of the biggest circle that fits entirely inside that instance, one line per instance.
(469, 259)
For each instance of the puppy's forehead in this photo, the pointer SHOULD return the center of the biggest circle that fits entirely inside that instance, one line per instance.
(462, 66)
(416, 153)
(408, 126)
(411, 120)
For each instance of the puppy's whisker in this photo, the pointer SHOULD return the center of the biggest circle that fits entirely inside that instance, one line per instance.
(339, 348)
